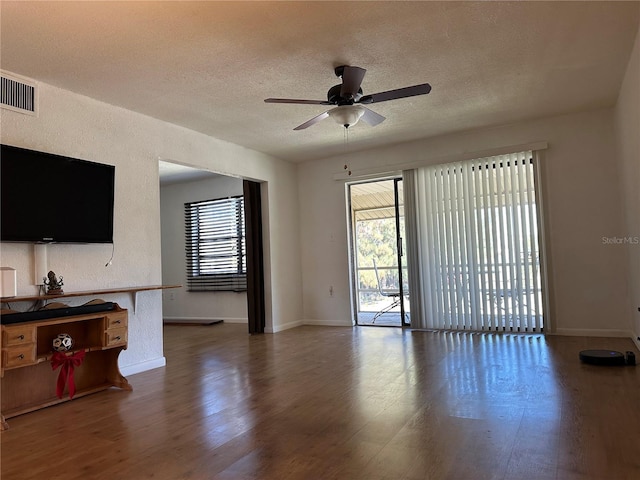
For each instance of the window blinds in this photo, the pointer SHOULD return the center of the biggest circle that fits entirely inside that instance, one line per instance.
(477, 245)
(215, 245)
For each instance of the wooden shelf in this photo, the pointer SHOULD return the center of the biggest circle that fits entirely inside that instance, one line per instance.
(87, 293)
(50, 401)
(46, 357)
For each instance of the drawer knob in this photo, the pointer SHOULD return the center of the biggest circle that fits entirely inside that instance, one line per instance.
(117, 321)
(118, 337)
(20, 337)
(21, 356)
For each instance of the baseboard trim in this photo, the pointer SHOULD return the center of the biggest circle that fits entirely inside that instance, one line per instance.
(587, 332)
(143, 366)
(283, 326)
(328, 323)
(203, 320)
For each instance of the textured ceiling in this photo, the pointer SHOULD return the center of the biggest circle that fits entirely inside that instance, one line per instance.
(208, 66)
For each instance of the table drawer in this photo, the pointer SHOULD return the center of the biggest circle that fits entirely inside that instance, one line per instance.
(117, 320)
(20, 335)
(115, 336)
(18, 356)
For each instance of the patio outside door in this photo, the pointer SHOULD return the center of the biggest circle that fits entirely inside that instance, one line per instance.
(378, 266)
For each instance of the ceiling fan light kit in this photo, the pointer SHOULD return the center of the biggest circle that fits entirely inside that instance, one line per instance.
(348, 96)
(346, 115)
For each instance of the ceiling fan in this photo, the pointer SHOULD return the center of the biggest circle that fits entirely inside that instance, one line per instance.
(349, 99)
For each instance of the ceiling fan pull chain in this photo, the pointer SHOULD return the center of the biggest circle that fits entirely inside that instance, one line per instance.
(345, 136)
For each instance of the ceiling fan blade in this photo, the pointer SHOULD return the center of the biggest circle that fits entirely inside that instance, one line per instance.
(351, 80)
(371, 117)
(421, 89)
(313, 121)
(293, 100)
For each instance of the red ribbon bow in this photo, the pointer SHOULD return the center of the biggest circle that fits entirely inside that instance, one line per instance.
(68, 364)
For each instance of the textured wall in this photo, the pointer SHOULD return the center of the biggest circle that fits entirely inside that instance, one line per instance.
(80, 127)
(583, 205)
(628, 139)
(77, 126)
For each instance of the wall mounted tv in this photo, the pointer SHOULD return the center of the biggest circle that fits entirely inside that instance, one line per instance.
(51, 198)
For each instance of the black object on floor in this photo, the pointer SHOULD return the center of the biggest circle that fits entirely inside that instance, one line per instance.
(602, 357)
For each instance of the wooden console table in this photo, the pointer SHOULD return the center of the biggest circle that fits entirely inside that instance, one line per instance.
(28, 381)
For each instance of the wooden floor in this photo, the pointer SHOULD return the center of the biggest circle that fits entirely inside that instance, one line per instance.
(346, 403)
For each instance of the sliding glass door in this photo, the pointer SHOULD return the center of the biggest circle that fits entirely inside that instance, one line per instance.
(377, 245)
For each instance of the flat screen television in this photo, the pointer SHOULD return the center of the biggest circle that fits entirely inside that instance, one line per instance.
(46, 198)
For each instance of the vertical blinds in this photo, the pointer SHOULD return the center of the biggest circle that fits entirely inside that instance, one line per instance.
(215, 245)
(478, 245)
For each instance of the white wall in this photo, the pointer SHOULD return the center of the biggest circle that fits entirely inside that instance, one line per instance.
(77, 126)
(583, 205)
(181, 305)
(628, 142)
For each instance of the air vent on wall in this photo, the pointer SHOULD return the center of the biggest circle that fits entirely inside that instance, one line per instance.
(18, 94)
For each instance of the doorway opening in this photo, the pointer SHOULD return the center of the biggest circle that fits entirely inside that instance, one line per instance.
(378, 269)
(211, 231)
